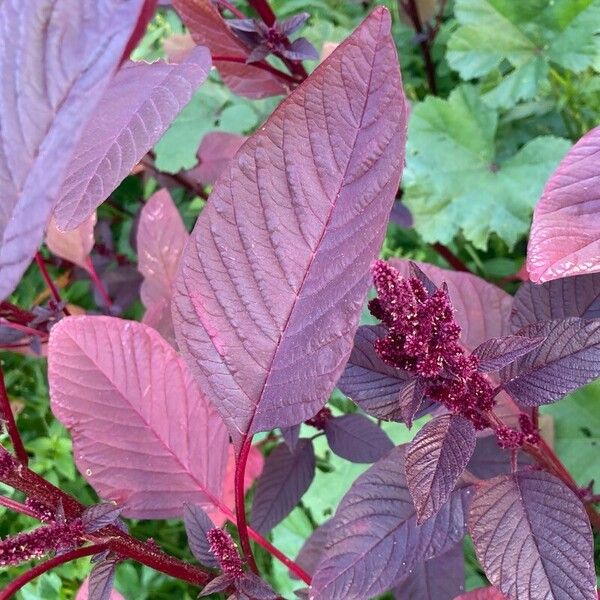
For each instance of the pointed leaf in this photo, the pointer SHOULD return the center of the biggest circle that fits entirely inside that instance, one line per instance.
(327, 162)
(565, 235)
(252, 587)
(216, 151)
(218, 584)
(568, 358)
(291, 435)
(576, 296)
(197, 525)
(497, 353)
(134, 112)
(144, 435)
(356, 438)
(533, 537)
(285, 478)
(99, 585)
(435, 460)
(208, 28)
(487, 593)
(374, 541)
(44, 110)
(100, 515)
(440, 578)
(74, 246)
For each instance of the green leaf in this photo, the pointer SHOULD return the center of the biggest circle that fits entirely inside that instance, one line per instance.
(454, 181)
(577, 432)
(529, 35)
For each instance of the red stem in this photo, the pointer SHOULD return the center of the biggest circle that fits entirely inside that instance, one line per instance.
(39, 259)
(265, 66)
(89, 265)
(17, 507)
(11, 425)
(240, 507)
(16, 584)
(23, 328)
(231, 8)
(451, 258)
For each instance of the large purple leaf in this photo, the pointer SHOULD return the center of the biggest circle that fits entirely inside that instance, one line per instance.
(310, 554)
(272, 283)
(533, 538)
(357, 438)
(374, 541)
(577, 296)
(568, 358)
(143, 433)
(56, 59)
(496, 353)
(435, 460)
(565, 235)
(285, 477)
(441, 578)
(136, 109)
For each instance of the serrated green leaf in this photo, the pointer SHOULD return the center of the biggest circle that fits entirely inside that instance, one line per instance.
(455, 183)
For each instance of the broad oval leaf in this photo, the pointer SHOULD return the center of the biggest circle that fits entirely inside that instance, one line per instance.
(43, 111)
(285, 477)
(197, 525)
(533, 538)
(565, 234)
(144, 435)
(357, 439)
(435, 460)
(568, 358)
(497, 353)
(265, 314)
(577, 296)
(374, 540)
(74, 245)
(136, 109)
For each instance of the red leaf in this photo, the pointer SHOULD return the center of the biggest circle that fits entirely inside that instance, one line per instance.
(487, 593)
(143, 433)
(565, 235)
(74, 245)
(216, 150)
(266, 313)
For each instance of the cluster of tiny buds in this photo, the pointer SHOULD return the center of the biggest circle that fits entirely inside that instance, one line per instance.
(8, 464)
(43, 512)
(56, 537)
(512, 439)
(320, 420)
(226, 552)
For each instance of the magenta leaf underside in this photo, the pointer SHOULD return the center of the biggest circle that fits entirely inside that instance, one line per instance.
(497, 353)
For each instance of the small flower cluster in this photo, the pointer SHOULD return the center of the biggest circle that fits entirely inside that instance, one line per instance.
(225, 551)
(423, 339)
(44, 513)
(8, 464)
(320, 420)
(511, 439)
(34, 544)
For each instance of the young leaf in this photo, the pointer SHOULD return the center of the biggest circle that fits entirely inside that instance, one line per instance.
(99, 585)
(326, 163)
(133, 113)
(380, 390)
(208, 28)
(100, 515)
(374, 541)
(218, 584)
(80, 43)
(575, 296)
(252, 587)
(435, 460)
(568, 358)
(144, 435)
(75, 245)
(441, 578)
(216, 151)
(519, 527)
(357, 439)
(487, 593)
(497, 353)
(197, 525)
(565, 235)
(285, 478)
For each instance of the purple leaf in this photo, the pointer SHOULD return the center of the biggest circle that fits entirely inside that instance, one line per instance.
(136, 109)
(56, 59)
(285, 478)
(291, 435)
(216, 151)
(209, 29)
(435, 460)
(293, 24)
(401, 216)
(496, 353)
(441, 578)
(357, 438)
(218, 584)
(266, 314)
(252, 587)
(380, 390)
(301, 49)
(99, 585)
(144, 435)
(565, 235)
(489, 460)
(310, 554)
(197, 525)
(374, 541)
(568, 358)
(533, 538)
(100, 515)
(577, 296)
(486, 593)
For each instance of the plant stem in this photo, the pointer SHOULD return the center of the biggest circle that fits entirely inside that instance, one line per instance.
(16, 584)
(11, 425)
(451, 258)
(23, 329)
(18, 507)
(232, 9)
(97, 281)
(240, 508)
(55, 293)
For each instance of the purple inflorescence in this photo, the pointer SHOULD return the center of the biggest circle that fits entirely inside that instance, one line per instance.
(320, 420)
(225, 551)
(423, 339)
